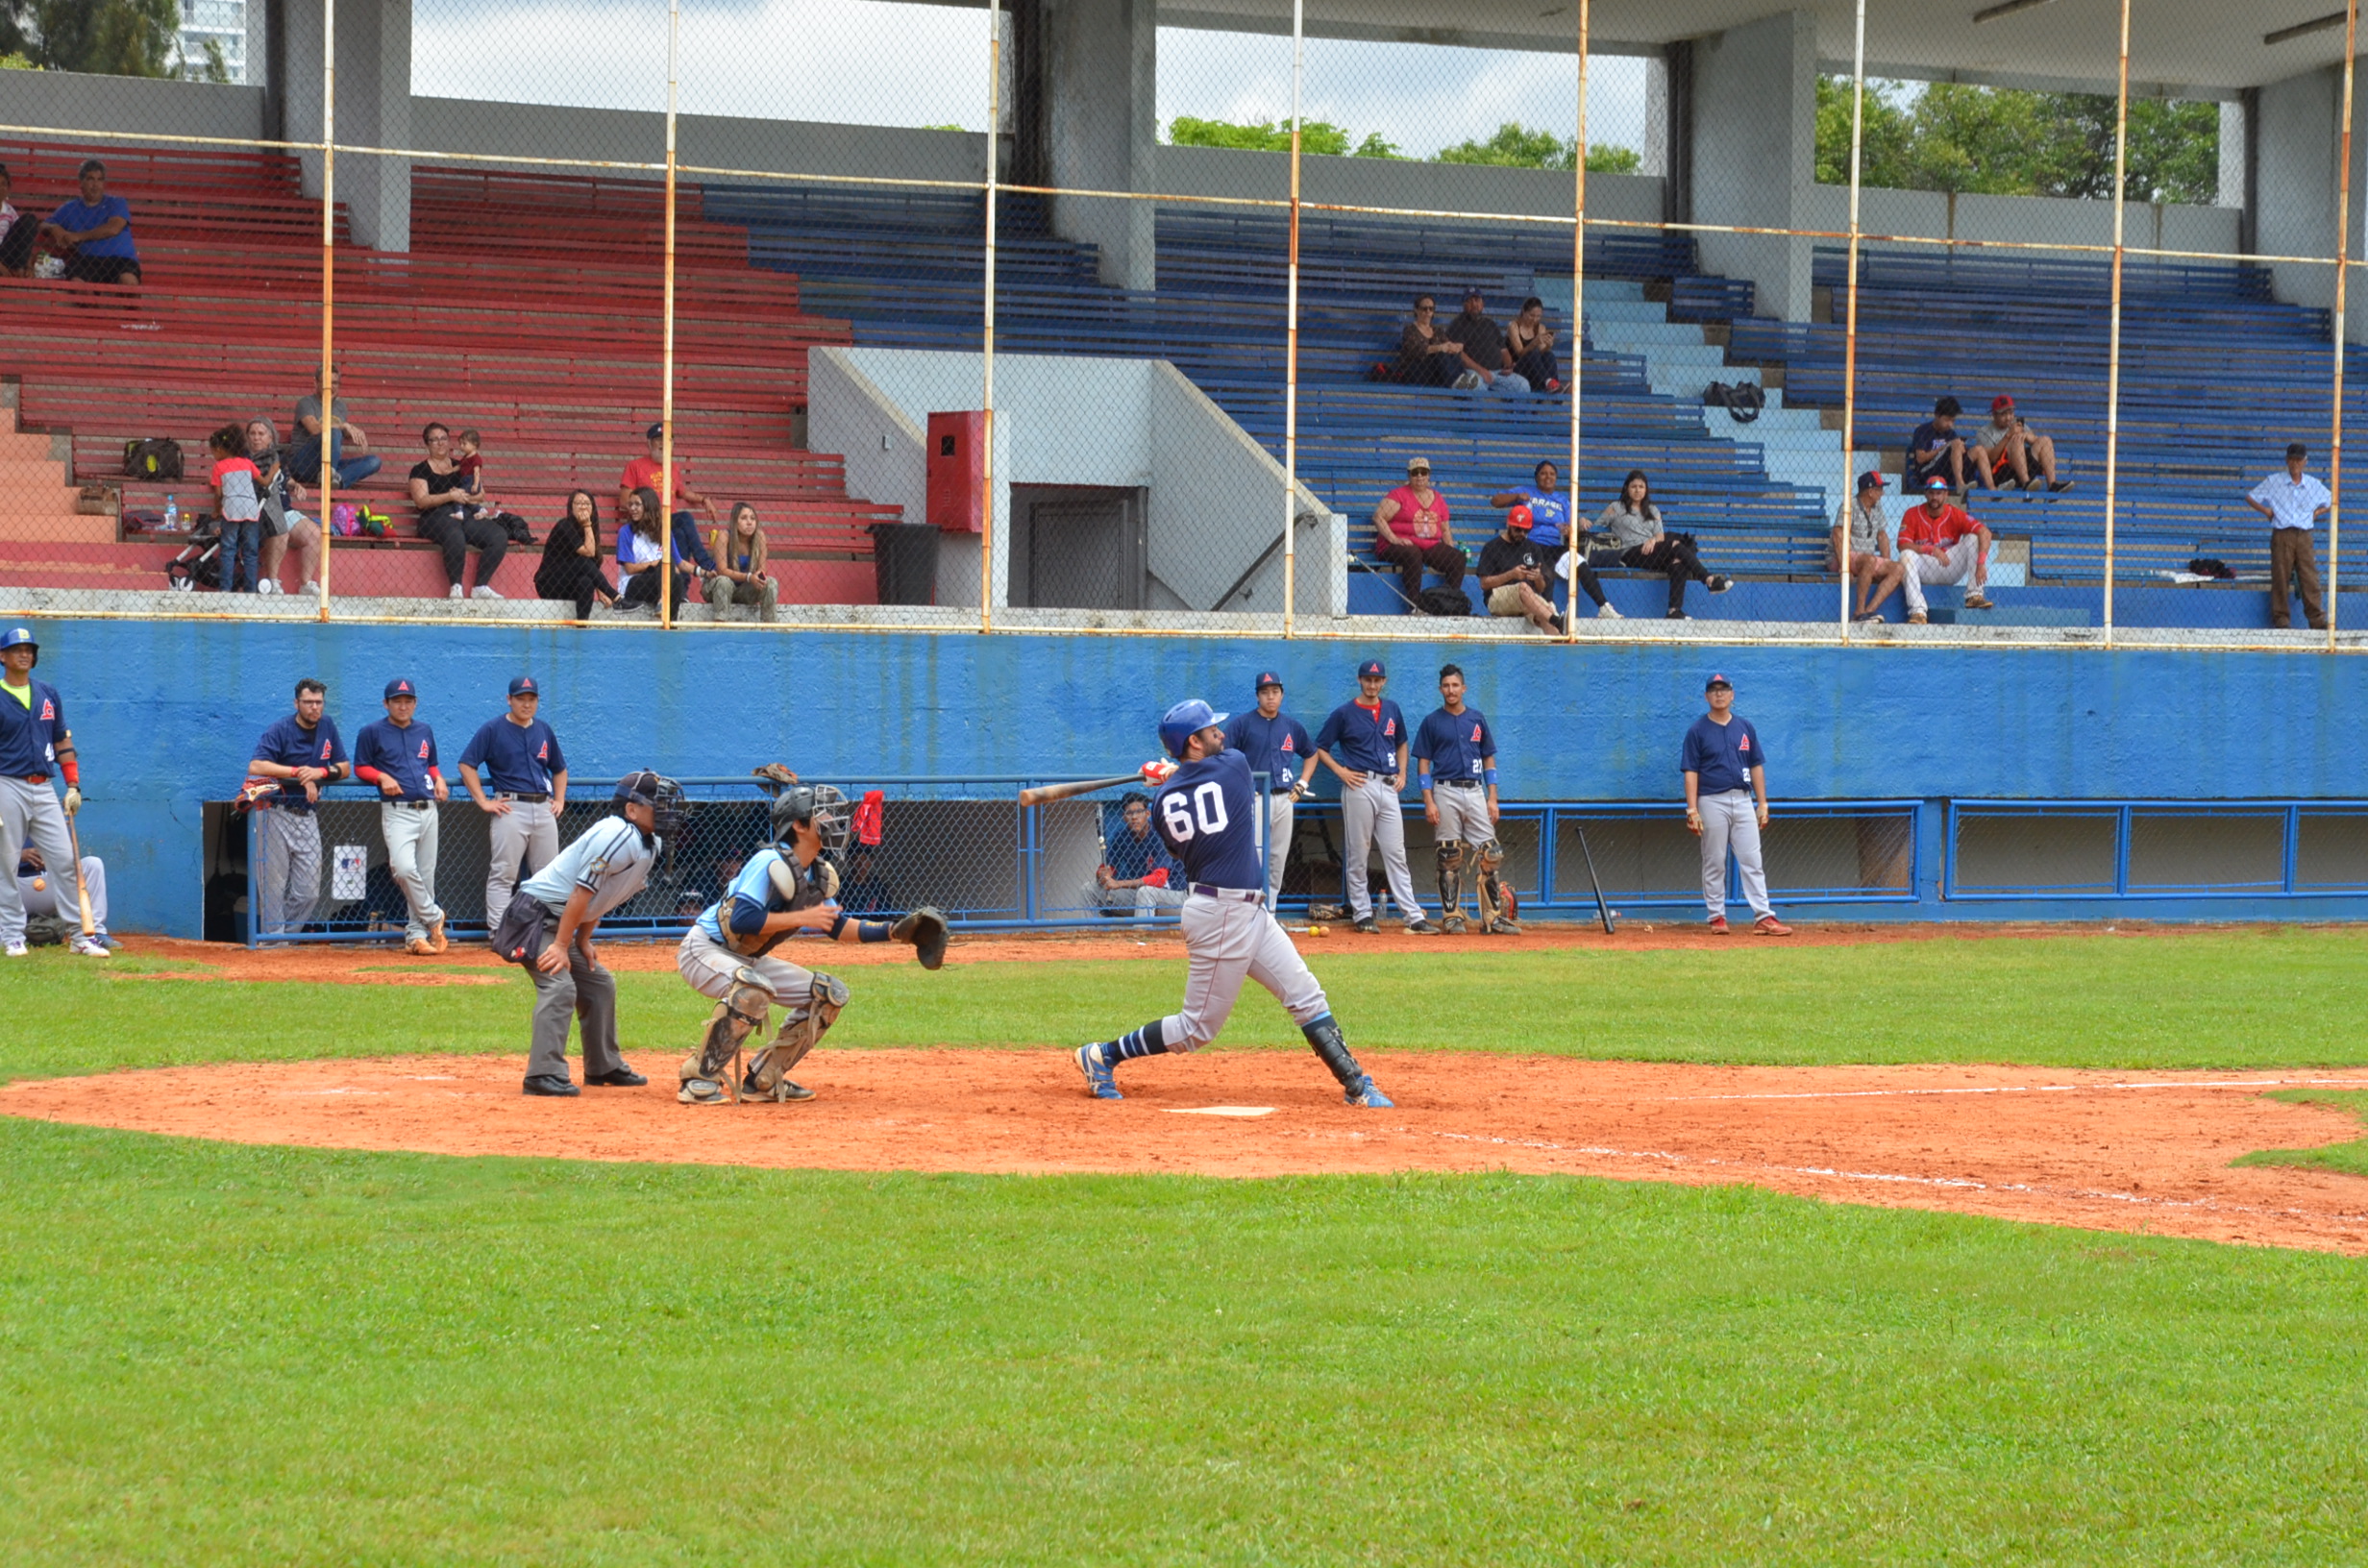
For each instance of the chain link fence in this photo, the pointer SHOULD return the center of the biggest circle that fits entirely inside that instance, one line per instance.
(2092, 850)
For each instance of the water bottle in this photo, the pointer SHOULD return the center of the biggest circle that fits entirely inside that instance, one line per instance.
(172, 515)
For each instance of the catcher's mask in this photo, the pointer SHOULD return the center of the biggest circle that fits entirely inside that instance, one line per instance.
(663, 797)
(821, 804)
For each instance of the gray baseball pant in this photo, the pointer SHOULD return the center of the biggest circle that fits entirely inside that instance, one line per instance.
(582, 991)
(55, 894)
(28, 811)
(1228, 939)
(1279, 815)
(287, 869)
(1371, 813)
(528, 830)
(412, 836)
(1464, 819)
(1732, 819)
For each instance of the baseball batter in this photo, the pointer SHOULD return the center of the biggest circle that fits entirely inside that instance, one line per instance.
(1276, 745)
(1364, 742)
(1204, 810)
(524, 790)
(34, 744)
(1456, 750)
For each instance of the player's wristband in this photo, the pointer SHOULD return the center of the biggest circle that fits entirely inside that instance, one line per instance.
(72, 771)
(1487, 776)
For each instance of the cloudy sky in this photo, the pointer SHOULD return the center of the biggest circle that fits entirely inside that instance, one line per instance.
(877, 62)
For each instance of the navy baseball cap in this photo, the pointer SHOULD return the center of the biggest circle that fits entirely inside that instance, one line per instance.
(524, 686)
(401, 688)
(653, 432)
(1871, 480)
(1266, 678)
(1372, 667)
(1716, 681)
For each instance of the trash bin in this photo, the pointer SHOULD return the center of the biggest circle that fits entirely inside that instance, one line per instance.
(904, 560)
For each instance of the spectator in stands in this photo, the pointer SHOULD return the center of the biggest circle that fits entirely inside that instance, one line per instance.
(1411, 533)
(239, 503)
(1938, 543)
(281, 490)
(1631, 532)
(2009, 447)
(2293, 502)
(1426, 356)
(571, 567)
(641, 547)
(349, 445)
(864, 892)
(1137, 872)
(1512, 574)
(97, 228)
(1483, 343)
(739, 576)
(18, 231)
(1549, 512)
(1936, 448)
(451, 517)
(1869, 548)
(1529, 347)
(644, 472)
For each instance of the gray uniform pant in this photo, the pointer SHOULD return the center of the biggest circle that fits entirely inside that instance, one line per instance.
(1279, 817)
(1730, 818)
(28, 813)
(55, 896)
(582, 991)
(1463, 814)
(528, 829)
(1371, 813)
(411, 835)
(1228, 939)
(287, 869)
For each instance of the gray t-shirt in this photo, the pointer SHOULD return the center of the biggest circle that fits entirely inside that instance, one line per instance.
(608, 858)
(1617, 525)
(1864, 527)
(310, 408)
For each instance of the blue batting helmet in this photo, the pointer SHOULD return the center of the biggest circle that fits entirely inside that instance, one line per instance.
(1183, 722)
(20, 637)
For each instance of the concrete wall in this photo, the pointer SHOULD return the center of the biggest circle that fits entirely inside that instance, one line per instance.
(1927, 214)
(1755, 153)
(1380, 182)
(458, 125)
(2301, 125)
(126, 104)
(1101, 129)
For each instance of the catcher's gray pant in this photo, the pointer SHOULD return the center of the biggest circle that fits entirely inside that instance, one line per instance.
(1279, 815)
(55, 896)
(1230, 939)
(1371, 813)
(1730, 818)
(528, 830)
(411, 835)
(1957, 566)
(1463, 814)
(582, 991)
(28, 812)
(287, 869)
(710, 967)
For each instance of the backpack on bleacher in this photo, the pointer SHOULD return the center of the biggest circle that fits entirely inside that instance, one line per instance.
(1443, 601)
(1742, 400)
(155, 459)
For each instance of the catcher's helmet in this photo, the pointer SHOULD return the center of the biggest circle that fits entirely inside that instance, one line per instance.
(663, 795)
(821, 804)
(20, 637)
(1186, 720)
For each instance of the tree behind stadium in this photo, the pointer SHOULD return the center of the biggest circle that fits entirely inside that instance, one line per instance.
(104, 37)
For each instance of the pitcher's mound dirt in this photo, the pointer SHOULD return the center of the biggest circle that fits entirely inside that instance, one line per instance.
(2107, 1151)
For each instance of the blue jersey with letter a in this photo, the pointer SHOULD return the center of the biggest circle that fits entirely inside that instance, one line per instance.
(1207, 815)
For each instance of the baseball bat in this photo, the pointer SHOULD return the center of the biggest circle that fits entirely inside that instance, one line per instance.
(91, 927)
(1603, 911)
(1044, 795)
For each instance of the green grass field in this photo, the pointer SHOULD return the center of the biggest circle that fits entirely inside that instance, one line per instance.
(226, 1355)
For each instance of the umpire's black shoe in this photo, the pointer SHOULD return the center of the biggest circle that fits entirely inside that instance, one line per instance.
(622, 1078)
(1368, 926)
(557, 1089)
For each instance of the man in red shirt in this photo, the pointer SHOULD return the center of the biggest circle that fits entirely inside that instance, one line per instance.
(1938, 543)
(643, 472)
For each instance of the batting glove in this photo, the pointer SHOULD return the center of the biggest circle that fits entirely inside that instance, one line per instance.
(1158, 771)
(73, 799)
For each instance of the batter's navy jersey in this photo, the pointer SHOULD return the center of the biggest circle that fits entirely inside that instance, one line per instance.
(515, 760)
(1456, 744)
(30, 732)
(1277, 747)
(404, 751)
(1723, 754)
(1363, 740)
(1208, 816)
(290, 744)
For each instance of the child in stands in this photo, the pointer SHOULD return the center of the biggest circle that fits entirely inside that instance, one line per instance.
(470, 465)
(237, 489)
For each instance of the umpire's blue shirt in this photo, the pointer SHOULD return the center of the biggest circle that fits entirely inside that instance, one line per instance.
(1722, 754)
(1363, 740)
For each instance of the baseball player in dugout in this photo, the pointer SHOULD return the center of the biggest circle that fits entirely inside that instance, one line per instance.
(1456, 750)
(303, 751)
(788, 887)
(516, 774)
(397, 757)
(1276, 745)
(36, 748)
(1206, 810)
(1364, 743)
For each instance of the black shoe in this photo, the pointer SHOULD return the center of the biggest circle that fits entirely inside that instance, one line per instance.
(1676, 615)
(557, 1089)
(1717, 584)
(1368, 926)
(622, 1078)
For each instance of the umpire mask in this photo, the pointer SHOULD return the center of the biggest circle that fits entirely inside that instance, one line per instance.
(661, 795)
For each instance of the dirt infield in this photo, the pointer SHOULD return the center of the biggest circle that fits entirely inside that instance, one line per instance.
(2146, 1152)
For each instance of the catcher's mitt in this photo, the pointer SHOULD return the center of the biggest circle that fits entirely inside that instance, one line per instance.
(925, 929)
(1325, 912)
(774, 777)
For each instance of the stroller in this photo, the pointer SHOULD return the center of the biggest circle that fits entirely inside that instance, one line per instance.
(199, 565)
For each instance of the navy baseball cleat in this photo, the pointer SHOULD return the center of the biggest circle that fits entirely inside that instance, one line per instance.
(1371, 1097)
(1100, 1080)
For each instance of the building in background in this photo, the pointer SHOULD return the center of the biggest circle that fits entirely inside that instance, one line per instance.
(211, 27)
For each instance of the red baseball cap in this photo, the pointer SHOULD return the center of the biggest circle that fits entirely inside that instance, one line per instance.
(2000, 404)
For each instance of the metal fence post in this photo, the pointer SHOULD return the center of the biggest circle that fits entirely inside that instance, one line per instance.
(2112, 371)
(1290, 334)
(2343, 271)
(328, 288)
(666, 352)
(1578, 328)
(986, 345)
(1850, 330)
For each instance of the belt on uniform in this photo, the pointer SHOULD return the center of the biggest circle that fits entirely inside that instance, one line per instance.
(1460, 783)
(529, 799)
(1246, 895)
(35, 778)
(410, 805)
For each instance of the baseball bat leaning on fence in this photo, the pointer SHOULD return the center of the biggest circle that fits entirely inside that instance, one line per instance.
(74, 841)
(1603, 911)
(1044, 795)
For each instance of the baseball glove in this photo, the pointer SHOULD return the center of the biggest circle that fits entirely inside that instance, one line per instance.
(775, 776)
(925, 929)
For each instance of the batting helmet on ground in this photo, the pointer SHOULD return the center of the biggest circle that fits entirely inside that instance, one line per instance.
(1186, 720)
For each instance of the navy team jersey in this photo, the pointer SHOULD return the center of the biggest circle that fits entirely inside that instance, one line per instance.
(515, 759)
(1723, 754)
(32, 730)
(290, 744)
(404, 751)
(1208, 813)
(1456, 744)
(1277, 747)
(1363, 740)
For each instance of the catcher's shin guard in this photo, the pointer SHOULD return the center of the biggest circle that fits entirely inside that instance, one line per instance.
(803, 1026)
(1325, 1035)
(740, 1015)
(1490, 891)
(1450, 879)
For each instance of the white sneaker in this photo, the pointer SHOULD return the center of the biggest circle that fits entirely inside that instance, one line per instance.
(311, 589)
(483, 592)
(456, 593)
(16, 950)
(90, 947)
(1605, 612)
(265, 587)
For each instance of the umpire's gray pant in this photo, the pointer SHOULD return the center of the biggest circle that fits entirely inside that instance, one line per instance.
(1371, 813)
(1279, 816)
(1730, 818)
(28, 812)
(528, 830)
(412, 833)
(288, 868)
(582, 991)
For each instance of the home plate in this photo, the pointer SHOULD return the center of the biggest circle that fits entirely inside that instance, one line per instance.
(1221, 1111)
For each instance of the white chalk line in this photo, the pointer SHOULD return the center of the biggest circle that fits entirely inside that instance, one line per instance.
(2028, 1089)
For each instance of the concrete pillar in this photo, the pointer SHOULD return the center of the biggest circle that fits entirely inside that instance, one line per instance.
(374, 110)
(2299, 125)
(2231, 192)
(1755, 145)
(1101, 128)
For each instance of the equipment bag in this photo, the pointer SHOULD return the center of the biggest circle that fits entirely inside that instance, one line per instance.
(1443, 601)
(1742, 400)
(158, 457)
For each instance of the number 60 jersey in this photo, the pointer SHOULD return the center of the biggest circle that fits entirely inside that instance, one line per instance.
(1208, 813)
